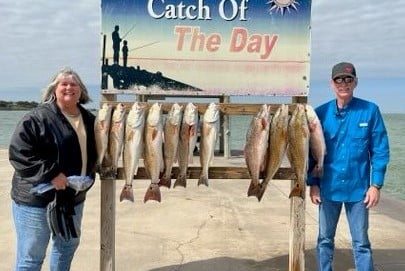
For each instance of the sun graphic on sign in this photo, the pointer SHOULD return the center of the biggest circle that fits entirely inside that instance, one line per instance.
(282, 5)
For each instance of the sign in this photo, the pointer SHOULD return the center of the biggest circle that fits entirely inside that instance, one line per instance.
(207, 47)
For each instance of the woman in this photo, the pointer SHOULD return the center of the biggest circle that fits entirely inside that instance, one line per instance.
(51, 143)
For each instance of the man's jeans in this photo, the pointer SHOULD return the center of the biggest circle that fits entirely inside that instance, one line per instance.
(33, 236)
(357, 217)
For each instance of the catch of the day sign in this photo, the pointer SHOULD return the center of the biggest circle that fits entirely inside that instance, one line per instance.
(192, 36)
(261, 44)
(228, 10)
(226, 47)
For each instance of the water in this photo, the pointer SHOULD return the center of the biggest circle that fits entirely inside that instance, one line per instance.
(395, 123)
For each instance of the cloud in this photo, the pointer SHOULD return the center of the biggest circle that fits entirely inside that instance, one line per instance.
(367, 33)
(40, 36)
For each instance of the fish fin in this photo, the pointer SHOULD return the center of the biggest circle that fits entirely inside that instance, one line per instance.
(312, 126)
(253, 189)
(297, 191)
(154, 134)
(127, 193)
(129, 135)
(264, 123)
(152, 193)
(165, 181)
(192, 130)
(203, 180)
(181, 181)
(262, 189)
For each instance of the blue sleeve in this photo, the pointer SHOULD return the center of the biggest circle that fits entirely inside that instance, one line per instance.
(379, 149)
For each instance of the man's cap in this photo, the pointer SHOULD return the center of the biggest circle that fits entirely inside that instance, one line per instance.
(343, 69)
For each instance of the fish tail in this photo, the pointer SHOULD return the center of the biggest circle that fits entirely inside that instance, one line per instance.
(165, 181)
(203, 180)
(181, 181)
(297, 191)
(152, 193)
(262, 189)
(253, 188)
(127, 193)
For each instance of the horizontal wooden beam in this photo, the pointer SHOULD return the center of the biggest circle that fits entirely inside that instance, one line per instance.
(225, 108)
(216, 173)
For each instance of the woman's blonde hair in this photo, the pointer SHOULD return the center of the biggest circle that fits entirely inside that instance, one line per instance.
(48, 95)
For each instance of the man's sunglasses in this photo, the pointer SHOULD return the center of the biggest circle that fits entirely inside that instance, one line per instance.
(340, 80)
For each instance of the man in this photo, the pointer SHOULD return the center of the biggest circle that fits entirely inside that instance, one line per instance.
(116, 44)
(357, 154)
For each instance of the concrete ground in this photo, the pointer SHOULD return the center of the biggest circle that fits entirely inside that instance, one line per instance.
(209, 229)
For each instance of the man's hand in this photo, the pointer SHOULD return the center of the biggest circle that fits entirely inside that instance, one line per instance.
(315, 194)
(372, 197)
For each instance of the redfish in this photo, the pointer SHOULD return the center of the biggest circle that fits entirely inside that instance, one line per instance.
(171, 141)
(256, 147)
(298, 149)
(153, 152)
(209, 134)
(133, 147)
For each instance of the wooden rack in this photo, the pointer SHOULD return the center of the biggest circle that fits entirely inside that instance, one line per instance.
(108, 186)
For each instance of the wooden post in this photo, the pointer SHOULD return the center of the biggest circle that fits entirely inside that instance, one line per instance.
(297, 234)
(225, 131)
(297, 224)
(107, 217)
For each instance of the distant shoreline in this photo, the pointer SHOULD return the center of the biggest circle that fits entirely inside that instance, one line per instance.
(23, 106)
(17, 106)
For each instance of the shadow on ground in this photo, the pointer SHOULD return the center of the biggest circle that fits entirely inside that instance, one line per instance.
(385, 260)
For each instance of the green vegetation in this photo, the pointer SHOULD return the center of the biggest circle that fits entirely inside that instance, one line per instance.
(20, 105)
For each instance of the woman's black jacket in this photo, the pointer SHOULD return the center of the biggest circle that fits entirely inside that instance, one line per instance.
(43, 145)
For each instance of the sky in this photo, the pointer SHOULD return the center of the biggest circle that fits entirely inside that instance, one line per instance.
(40, 37)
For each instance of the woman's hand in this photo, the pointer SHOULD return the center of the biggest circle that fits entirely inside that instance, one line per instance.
(60, 182)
